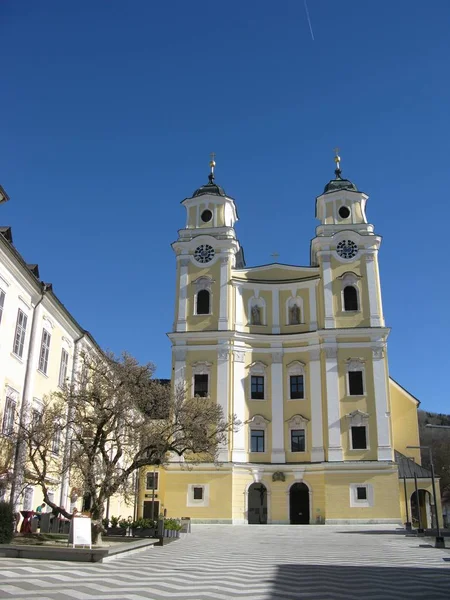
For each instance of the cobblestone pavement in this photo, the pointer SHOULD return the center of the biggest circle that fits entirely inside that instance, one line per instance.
(275, 562)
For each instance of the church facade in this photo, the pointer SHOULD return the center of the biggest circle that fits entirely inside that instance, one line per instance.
(299, 355)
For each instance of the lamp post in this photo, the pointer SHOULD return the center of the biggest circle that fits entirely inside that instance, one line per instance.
(439, 541)
(420, 530)
(408, 524)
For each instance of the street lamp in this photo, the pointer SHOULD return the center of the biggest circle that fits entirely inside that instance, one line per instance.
(439, 541)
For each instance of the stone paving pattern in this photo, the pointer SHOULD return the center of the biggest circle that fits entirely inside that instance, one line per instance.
(220, 562)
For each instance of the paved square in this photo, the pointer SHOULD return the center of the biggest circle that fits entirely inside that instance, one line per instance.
(275, 562)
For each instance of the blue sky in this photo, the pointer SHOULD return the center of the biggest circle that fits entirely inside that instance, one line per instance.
(109, 110)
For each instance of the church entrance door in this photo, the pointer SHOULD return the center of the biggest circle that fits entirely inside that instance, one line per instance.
(299, 504)
(257, 504)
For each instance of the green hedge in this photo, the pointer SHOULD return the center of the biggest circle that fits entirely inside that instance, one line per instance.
(6, 523)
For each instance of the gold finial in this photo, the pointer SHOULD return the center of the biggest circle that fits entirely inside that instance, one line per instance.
(212, 162)
(337, 160)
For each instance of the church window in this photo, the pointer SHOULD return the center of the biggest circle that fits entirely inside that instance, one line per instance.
(355, 383)
(257, 440)
(361, 493)
(359, 437)
(9, 416)
(45, 349)
(344, 212)
(198, 493)
(201, 385)
(19, 335)
(206, 216)
(350, 298)
(257, 387)
(203, 302)
(296, 387)
(297, 440)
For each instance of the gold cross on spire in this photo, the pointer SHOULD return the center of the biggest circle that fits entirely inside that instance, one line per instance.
(212, 162)
(275, 255)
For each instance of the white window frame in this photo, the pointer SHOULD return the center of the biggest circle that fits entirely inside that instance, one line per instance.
(201, 368)
(352, 365)
(368, 502)
(298, 422)
(156, 473)
(56, 440)
(203, 283)
(296, 367)
(63, 368)
(350, 279)
(2, 303)
(44, 351)
(357, 418)
(258, 369)
(289, 304)
(20, 333)
(258, 422)
(8, 417)
(258, 301)
(190, 502)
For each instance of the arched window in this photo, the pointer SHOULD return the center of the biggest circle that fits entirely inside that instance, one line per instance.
(350, 298)
(203, 302)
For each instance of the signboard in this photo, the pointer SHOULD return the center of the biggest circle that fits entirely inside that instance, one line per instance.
(80, 532)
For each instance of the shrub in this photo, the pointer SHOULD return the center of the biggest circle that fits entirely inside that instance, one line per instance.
(6, 523)
(115, 521)
(124, 523)
(142, 524)
(172, 524)
(105, 522)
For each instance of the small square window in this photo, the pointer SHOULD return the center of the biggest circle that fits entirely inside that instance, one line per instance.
(359, 437)
(361, 493)
(257, 385)
(201, 385)
(297, 440)
(257, 440)
(198, 493)
(355, 383)
(297, 387)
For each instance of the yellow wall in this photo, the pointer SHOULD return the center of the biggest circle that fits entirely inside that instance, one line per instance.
(405, 424)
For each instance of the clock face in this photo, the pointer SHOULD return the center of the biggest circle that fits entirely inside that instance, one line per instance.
(347, 249)
(204, 253)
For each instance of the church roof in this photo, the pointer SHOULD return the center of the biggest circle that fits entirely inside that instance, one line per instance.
(407, 468)
(209, 188)
(338, 184)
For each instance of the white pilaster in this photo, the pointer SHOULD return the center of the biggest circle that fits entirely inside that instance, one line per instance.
(313, 307)
(223, 307)
(179, 368)
(223, 363)
(380, 383)
(278, 451)
(327, 290)
(239, 310)
(182, 297)
(239, 454)
(315, 386)
(275, 311)
(334, 421)
(376, 319)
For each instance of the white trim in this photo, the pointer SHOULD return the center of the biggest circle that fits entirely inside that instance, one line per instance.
(222, 393)
(223, 292)
(355, 365)
(190, 502)
(276, 310)
(278, 446)
(358, 418)
(381, 393)
(182, 295)
(296, 367)
(327, 281)
(239, 453)
(257, 369)
(368, 502)
(374, 292)
(258, 423)
(350, 279)
(295, 423)
(315, 387)
(201, 368)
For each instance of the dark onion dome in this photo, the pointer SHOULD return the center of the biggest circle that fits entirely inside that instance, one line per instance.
(209, 188)
(339, 184)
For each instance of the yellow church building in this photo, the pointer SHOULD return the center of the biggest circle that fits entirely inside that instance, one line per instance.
(299, 355)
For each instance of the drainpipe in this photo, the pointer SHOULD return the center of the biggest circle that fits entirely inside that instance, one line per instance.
(20, 454)
(68, 441)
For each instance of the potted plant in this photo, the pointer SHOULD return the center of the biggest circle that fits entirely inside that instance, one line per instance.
(172, 528)
(114, 529)
(124, 524)
(143, 528)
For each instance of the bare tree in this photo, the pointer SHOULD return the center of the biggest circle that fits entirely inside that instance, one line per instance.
(117, 419)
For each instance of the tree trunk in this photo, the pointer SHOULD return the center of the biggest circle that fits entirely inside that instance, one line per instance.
(97, 511)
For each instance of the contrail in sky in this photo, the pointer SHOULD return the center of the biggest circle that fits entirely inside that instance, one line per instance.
(309, 20)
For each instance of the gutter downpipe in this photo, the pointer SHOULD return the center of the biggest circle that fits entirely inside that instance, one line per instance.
(20, 458)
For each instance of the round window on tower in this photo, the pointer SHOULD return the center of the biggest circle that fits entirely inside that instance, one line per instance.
(206, 216)
(344, 212)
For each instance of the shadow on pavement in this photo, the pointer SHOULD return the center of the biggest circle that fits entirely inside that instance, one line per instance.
(323, 582)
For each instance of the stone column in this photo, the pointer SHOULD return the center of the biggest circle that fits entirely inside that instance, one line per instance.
(380, 383)
(223, 309)
(239, 453)
(183, 294)
(278, 451)
(275, 311)
(334, 420)
(315, 386)
(239, 308)
(327, 279)
(179, 353)
(312, 307)
(223, 363)
(374, 292)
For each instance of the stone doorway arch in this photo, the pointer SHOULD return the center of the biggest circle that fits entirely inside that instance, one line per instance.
(299, 508)
(257, 504)
(423, 507)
